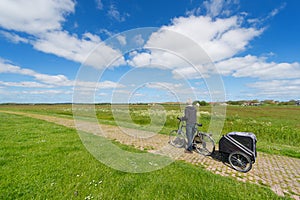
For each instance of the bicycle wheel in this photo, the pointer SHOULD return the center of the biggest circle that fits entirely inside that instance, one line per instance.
(204, 144)
(177, 139)
(240, 161)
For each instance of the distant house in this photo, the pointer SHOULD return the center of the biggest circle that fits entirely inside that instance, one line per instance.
(298, 103)
(251, 104)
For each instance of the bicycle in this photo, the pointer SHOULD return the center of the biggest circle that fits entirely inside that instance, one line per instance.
(203, 143)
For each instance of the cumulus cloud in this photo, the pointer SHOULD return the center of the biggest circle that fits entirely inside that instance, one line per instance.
(49, 81)
(34, 16)
(249, 66)
(89, 49)
(278, 89)
(220, 39)
(62, 44)
(54, 80)
(189, 45)
(276, 80)
(42, 20)
(258, 67)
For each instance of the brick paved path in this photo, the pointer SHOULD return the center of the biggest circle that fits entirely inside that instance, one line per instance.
(280, 173)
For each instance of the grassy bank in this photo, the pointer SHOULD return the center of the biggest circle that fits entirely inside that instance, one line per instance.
(42, 160)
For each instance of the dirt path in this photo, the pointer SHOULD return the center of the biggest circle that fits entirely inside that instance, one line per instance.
(280, 173)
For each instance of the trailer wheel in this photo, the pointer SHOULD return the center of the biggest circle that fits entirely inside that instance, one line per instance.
(240, 161)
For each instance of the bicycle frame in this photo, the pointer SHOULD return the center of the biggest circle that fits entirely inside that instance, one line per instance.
(182, 125)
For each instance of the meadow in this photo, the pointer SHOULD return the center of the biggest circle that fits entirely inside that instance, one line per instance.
(277, 128)
(43, 160)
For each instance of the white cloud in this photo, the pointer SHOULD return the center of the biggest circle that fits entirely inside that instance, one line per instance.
(34, 16)
(195, 11)
(279, 89)
(104, 56)
(122, 39)
(157, 91)
(275, 11)
(106, 32)
(138, 39)
(42, 20)
(187, 73)
(62, 44)
(140, 59)
(50, 81)
(197, 40)
(55, 80)
(220, 39)
(215, 8)
(164, 86)
(26, 84)
(13, 37)
(108, 85)
(115, 14)
(181, 90)
(83, 50)
(46, 92)
(89, 50)
(99, 4)
(89, 88)
(258, 67)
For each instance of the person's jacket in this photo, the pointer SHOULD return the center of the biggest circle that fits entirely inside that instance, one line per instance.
(190, 115)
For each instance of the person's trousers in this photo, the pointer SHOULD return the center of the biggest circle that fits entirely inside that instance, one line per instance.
(190, 136)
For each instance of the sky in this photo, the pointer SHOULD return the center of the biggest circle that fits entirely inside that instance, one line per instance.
(63, 51)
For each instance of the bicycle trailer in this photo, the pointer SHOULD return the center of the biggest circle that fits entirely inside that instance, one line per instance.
(240, 147)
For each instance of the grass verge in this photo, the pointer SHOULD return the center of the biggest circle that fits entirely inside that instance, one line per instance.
(42, 160)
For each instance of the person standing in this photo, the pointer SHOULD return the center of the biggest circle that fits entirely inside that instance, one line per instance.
(190, 116)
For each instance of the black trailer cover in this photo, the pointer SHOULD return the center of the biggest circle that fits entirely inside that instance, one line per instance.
(242, 141)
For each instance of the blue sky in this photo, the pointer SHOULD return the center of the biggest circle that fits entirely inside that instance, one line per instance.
(253, 47)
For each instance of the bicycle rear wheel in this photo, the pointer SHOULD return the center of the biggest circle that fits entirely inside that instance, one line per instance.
(204, 144)
(176, 139)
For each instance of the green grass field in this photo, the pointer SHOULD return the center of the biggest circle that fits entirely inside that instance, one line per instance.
(42, 160)
(277, 127)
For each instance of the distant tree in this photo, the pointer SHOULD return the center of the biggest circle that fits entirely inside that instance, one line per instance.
(290, 102)
(232, 103)
(269, 101)
(201, 103)
(255, 101)
(237, 103)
